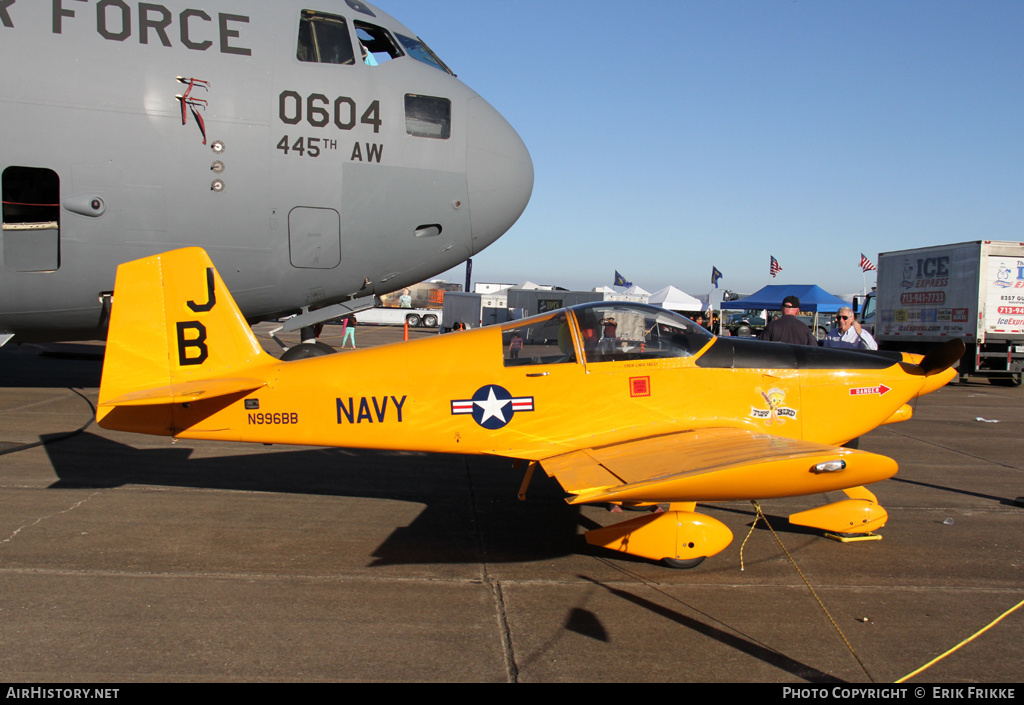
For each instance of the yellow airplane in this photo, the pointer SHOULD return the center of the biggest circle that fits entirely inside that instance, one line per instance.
(621, 403)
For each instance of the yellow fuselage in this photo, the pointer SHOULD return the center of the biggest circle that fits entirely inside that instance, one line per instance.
(622, 403)
(400, 397)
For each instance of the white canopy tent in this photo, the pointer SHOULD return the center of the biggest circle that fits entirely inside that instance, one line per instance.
(675, 300)
(636, 291)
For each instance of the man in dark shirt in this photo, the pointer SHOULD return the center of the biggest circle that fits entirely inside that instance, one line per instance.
(608, 339)
(788, 328)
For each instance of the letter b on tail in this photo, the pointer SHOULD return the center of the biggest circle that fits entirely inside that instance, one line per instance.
(195, 342)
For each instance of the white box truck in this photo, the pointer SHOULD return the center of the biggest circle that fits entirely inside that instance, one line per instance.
(969, 290)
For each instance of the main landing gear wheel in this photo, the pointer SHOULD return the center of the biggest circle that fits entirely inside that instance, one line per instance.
(304, 351)
(683, 564)
(678, 538)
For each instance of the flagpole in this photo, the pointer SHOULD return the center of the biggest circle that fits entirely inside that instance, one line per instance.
(715, 277)
(865, 266)
(711, 310)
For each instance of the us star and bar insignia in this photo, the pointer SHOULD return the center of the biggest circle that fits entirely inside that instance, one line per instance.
(492, 407)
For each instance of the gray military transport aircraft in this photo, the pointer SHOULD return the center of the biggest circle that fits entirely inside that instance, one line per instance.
(317, 149)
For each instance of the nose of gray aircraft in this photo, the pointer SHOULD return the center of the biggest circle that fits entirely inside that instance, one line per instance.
(499, 173)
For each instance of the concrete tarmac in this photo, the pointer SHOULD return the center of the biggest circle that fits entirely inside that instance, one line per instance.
(127, 558)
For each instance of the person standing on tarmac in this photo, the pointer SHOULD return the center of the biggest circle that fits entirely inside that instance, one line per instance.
(348, 331)
(788, 328)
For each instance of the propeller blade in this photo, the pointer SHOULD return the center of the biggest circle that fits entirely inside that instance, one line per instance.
(943, 356)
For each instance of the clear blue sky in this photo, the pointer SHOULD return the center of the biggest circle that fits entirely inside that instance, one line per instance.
(670, 136)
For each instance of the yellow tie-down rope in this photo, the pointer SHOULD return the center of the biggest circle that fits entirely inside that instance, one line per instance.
(760, 515)
(1004, 615)
(966, 641)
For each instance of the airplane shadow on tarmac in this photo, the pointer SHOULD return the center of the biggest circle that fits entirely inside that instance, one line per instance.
(51, 365)
(472, 498)
(471, 510)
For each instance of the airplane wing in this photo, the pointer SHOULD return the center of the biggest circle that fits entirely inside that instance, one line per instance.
(712, 464)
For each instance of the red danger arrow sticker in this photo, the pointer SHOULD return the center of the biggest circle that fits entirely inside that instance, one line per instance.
(879, 390)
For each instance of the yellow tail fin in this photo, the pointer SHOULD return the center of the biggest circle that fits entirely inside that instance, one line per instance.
(176, 336)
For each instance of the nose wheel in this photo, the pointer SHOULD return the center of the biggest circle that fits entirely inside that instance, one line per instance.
(848, 519)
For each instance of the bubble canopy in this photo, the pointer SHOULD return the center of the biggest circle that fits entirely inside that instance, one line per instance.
(607, 331)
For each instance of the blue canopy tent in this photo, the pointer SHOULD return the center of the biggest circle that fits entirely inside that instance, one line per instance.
(812, 299)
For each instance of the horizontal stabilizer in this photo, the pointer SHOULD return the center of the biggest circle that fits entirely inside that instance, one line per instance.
(186, 392)
(715, 464)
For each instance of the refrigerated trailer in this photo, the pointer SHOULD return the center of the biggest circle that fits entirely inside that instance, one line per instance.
(386, 316)
(969, 290)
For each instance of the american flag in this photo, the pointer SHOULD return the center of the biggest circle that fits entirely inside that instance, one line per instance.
(865, 263)
(775, 267)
